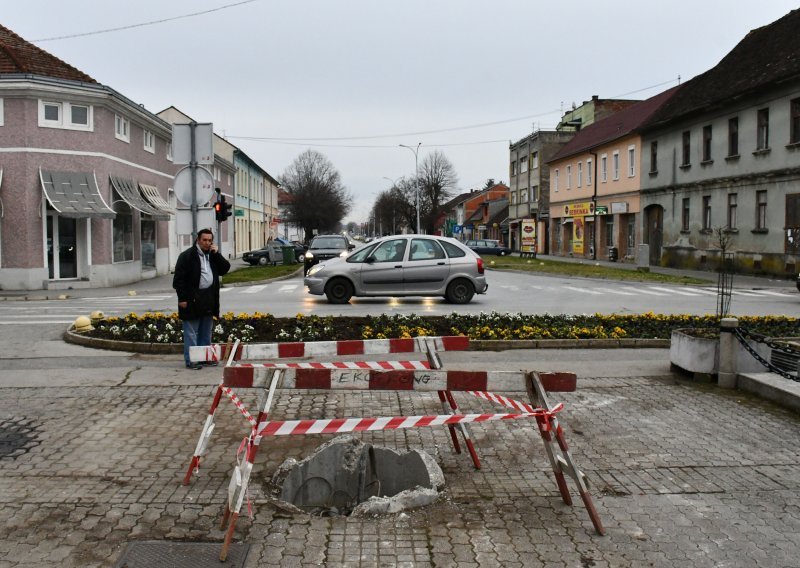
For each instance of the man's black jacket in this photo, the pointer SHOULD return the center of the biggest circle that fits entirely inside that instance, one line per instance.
(187, 284)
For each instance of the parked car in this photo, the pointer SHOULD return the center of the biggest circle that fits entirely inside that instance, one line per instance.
(325, 247)
(299, 248)
(401, 265)
(260, 256)
(488, 246)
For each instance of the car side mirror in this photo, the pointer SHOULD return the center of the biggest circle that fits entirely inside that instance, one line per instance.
(370, 259)
(351, 246)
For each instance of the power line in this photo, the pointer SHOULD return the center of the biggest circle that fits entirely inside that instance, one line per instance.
(142, 24)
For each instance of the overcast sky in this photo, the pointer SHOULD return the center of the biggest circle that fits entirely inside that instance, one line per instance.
(462, 76)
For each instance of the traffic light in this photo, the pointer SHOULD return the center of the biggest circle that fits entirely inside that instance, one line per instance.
(219, 208)
(226, 209)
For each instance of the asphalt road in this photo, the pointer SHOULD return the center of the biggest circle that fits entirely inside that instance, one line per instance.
(508, 292)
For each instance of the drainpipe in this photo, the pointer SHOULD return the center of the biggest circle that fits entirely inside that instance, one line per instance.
(594, 203)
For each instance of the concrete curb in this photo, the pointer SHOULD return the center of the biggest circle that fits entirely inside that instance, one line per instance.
(71, 336)
(255, 282)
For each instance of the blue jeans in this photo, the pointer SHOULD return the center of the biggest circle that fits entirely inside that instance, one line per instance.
(196, 332)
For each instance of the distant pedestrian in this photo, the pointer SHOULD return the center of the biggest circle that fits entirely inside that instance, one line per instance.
(196, 281)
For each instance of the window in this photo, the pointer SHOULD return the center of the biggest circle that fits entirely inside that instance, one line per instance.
(631, 232)
(707, 143)
(425, 249)
(555, 181)
(762, 135)
(169, 157)
(523, 196)
(761, 209)
(569, 177)
(707, 212)
(653, 157)
(535, 193)
(687, 149)
(794, 121)
(2, 114)
(609, 219)
(731, 211)
(122, 227)
(122, 128)
(535, 160)
(588, 172)
(580, 173)
(603, 168)
(523, 164)
(631, 161)
(149, 141)
(733, 136)
(514, 168)
(615, 165)
(685, 215)
(64, 115)
(513, 198)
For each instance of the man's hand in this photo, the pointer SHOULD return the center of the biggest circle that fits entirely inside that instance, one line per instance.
(183, 304)
(214, 248)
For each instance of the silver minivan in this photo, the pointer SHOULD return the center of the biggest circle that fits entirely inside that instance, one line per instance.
(401, 265)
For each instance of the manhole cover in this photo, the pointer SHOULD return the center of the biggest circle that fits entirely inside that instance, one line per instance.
(146, 554)
(346, 476)
(17, 437)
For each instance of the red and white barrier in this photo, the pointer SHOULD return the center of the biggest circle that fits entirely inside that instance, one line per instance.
(253, 376)
(377, 365)
(266, 351)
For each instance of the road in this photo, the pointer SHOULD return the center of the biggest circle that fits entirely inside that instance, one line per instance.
(508, 292)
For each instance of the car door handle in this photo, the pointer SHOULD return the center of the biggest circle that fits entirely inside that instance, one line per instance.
(398, 266)
(440, 263)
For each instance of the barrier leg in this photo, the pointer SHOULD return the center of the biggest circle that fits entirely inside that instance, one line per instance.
(563, 463)
(205, 436)
(446, 409)
(464, 432)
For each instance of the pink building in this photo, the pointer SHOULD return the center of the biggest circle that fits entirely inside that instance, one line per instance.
(85, 178)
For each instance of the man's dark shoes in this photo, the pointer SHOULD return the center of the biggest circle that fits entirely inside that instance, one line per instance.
(209, 363)
(194, 366)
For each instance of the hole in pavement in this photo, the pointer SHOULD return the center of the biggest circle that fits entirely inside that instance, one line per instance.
(348, 477)
(17, 436)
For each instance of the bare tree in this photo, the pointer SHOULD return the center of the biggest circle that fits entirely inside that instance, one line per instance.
(390, 210)
(319, 201)
(437, 179)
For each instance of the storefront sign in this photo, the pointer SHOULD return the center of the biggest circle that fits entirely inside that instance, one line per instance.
(577, 235)
(579, 209)
(601, 210)
(528, 240)
(619, 206)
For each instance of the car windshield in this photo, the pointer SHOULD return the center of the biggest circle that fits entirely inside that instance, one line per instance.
(328, 243)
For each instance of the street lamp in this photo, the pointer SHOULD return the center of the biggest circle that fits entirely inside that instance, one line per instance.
(416, 174)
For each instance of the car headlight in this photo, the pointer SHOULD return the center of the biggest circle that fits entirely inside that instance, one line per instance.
(309, 255)
(316, 269)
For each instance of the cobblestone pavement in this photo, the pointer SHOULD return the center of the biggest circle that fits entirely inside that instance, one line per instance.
(682, 475)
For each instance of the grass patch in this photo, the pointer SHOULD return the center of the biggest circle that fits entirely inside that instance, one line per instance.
(586, 269)
(257, 273)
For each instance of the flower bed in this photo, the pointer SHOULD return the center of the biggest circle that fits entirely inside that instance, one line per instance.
(262, 328)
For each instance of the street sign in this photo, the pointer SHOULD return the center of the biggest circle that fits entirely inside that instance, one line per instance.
(203, 143)
(601, 209)
(183, 186)
(456, 229)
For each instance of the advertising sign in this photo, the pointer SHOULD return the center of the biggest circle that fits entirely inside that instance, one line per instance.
(577, 235)
(579, 209)
(528, 241)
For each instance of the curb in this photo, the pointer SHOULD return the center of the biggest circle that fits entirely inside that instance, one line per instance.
(254, 282)
(71, 336)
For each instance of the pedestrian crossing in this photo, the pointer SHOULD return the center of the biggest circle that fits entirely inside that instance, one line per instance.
(64, 312)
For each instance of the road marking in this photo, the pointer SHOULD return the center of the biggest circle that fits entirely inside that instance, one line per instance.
(288, 288)
(674, 291)
(584, 290)
(254, 289)
(774, 293)
(49, 322)
(746, 293)
(613, 291)
(710, 292)
(645, 291)
(222, 290)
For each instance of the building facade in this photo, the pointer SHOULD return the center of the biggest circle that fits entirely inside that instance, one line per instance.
(85, 175)
(723, 161)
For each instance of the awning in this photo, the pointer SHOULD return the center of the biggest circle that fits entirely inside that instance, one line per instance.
(74, 194)
(129, 193)
(150, 193)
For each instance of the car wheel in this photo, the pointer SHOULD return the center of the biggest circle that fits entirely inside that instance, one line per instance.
(460, 291)
(263, 260)
(339, 291)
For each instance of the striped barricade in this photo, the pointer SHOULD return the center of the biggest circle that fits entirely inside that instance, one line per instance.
(254, 367)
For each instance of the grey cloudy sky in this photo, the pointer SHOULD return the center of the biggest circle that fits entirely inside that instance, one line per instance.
(393, 72)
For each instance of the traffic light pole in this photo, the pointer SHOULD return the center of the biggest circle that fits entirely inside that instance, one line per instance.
(193, 170)
(219, 224)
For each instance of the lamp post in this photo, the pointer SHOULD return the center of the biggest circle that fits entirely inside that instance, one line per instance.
(416, 175)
